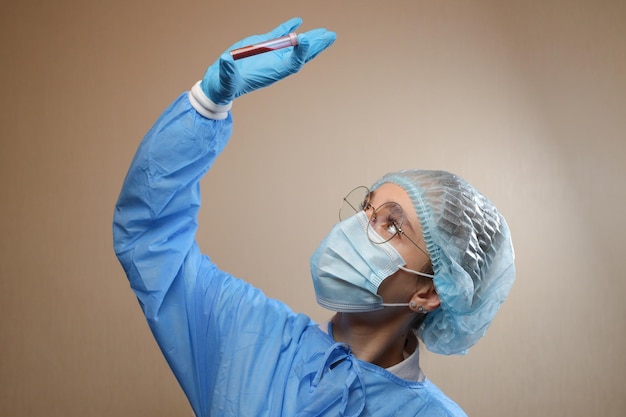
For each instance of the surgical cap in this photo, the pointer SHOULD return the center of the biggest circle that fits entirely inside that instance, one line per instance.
(471, 252)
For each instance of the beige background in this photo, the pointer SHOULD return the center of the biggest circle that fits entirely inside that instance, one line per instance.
(526, 100)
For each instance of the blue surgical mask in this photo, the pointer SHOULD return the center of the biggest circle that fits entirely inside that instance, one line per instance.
(347, 268)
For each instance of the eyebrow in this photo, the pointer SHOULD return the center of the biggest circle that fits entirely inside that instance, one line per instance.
(410, 225)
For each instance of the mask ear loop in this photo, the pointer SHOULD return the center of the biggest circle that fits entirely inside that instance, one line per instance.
(412, 305)
(395, 304)
(422, 274)
(421, 309)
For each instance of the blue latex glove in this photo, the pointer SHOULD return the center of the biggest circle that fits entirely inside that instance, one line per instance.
(227, 79)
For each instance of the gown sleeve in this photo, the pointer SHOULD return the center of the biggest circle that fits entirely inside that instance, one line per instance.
(206, 322)
(155, 217)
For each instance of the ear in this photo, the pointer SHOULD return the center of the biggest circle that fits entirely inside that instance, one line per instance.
(426, 297)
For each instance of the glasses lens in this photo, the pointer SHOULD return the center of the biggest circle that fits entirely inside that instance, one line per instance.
(385, 222)
(355, 201)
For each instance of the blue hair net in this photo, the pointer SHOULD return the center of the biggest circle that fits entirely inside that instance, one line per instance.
(471, 252)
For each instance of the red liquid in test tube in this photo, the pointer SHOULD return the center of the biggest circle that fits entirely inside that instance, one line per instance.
(267, 46)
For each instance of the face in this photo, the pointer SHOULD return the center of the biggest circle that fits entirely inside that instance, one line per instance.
(400, 286)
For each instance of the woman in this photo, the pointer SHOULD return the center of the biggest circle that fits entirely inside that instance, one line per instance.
(420, 255)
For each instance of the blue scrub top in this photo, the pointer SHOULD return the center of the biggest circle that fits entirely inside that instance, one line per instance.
(234, 351)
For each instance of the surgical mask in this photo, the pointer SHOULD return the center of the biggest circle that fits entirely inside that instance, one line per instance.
(347, 268)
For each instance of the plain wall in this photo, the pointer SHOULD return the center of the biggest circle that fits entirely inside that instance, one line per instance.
(526, 100)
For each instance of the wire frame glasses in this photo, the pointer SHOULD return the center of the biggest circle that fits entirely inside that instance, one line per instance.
(385, 221)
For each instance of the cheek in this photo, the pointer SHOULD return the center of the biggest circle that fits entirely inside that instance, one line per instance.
(412, 259)
(398, 286)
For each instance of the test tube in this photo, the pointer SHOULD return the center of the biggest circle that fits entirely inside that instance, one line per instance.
(267, 46)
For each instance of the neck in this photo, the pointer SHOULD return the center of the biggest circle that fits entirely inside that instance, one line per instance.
(376, 337)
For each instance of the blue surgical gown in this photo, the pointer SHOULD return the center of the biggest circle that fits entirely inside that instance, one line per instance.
(234, 351)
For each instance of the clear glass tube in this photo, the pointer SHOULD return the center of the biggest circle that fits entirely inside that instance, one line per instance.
(267, 46)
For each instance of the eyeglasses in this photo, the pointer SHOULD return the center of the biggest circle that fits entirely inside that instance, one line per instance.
(385, 222)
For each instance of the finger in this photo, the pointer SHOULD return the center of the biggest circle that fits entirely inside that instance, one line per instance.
(319, 40)
(229, 77)
(285, 28)
(300, 54)
(281, 30)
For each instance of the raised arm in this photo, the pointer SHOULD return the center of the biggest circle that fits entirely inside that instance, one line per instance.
(155, 217)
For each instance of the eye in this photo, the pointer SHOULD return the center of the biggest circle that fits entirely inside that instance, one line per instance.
(392, 228)
(391, 218)
(386, 225)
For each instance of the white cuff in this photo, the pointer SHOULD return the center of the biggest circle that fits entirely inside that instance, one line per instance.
(205, 106)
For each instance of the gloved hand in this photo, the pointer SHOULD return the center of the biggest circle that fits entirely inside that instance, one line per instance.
(227, 79)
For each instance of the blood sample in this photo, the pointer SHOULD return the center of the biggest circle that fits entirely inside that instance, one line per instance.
(267, 46)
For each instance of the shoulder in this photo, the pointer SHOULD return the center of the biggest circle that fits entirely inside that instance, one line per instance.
(242, 307)
(439, 404)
